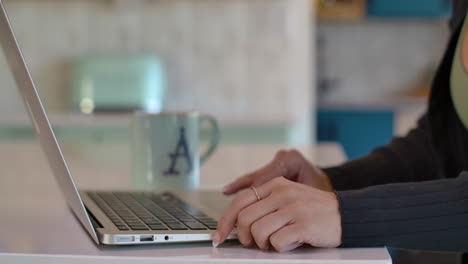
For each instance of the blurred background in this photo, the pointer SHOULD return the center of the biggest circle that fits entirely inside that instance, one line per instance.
(292, 72)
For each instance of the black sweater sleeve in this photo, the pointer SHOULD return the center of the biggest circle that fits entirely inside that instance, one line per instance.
(404, 159)
(430, 215)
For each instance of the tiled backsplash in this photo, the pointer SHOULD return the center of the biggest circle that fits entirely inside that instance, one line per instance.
(233, 58)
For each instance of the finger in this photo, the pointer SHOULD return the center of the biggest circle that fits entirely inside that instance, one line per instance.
(239, 184)
(253, 213)
(244, 199)
(287, 164)
(287, 238)
(263, 228)
(292, 164)
(277, 167)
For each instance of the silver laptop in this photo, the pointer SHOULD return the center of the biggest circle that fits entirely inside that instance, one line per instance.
(114, 218)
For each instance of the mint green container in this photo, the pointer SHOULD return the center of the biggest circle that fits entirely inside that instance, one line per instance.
(118, 83)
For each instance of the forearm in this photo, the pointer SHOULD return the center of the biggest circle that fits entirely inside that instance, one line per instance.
(431, 215)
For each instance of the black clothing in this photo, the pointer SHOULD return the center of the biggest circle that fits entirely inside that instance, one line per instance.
(412, 193)
(459, 11)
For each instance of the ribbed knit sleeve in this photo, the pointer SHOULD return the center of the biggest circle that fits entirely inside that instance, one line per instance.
(430, 215)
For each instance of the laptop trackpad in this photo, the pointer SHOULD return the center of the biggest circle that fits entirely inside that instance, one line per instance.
(212, 202)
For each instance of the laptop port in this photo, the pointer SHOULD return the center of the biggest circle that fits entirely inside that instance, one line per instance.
(125, 239)
(146, 238)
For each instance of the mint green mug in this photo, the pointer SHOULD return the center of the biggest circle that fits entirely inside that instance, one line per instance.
(166, 149)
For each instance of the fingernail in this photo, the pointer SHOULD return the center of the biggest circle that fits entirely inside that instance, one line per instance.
(291, 247)
(226, 188)
(215, 239)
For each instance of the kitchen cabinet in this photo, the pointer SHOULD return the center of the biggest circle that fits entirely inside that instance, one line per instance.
(405, 8)
(358, 130)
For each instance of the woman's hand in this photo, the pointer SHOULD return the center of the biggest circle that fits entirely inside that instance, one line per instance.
(287, 215)
(289, 164)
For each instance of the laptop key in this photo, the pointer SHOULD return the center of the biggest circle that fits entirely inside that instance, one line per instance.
(152, 222)
(134, 222)
(151, 219)
(205, 218)
(179, 228)
(190, 222)
(199, 228)
(166, 218)
(176, 226)
(157, 227)
(195, 226)
(171, 222)
(210, 223)
(183, 219)
(157, 224)
(138, 227)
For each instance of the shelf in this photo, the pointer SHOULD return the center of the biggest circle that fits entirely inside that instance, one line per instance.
(76, 128)
(393, 20)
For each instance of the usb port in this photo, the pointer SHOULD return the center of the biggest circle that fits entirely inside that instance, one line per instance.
(146, 238)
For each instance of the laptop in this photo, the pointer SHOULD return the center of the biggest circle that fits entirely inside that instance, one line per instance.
(114, 217)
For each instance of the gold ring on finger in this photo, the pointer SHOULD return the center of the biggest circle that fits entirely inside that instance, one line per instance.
(256, 193)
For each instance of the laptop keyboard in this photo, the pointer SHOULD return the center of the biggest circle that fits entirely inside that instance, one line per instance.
(148, 211)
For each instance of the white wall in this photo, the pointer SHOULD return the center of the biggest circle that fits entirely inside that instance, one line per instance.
(241, 59)
(377, 60)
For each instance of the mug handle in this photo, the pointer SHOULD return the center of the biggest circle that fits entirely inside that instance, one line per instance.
(215, 138)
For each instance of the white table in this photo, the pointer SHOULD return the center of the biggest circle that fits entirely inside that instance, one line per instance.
(37, 227)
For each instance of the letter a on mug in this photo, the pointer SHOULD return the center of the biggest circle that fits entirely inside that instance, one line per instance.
(181, 151)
